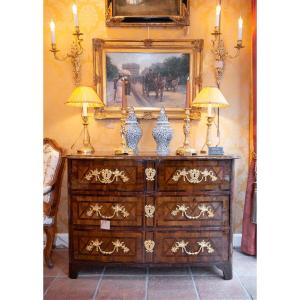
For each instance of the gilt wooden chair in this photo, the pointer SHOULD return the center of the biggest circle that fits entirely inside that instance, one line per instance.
(53, 170)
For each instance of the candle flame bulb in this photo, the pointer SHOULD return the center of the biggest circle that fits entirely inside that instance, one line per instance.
(74, 9)
(218, 13)
(240, 29)
(52, 29)
(52, 26)
(218, 9)
(240, 22)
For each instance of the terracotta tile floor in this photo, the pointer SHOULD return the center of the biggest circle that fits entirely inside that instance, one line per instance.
(152, 283)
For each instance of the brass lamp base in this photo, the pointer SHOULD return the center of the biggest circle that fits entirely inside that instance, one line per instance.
(86, 149)
(186, 150)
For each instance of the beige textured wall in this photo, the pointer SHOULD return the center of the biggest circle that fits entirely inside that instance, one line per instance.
(63, 123)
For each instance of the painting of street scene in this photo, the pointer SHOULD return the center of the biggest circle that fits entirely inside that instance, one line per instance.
(154, 79)
(146, 7)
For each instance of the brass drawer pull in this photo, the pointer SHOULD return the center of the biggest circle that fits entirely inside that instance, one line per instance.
(202, 245)
(97, 245)
(194, 175)
(204, 211)
(149, 211)
(106, 176)
(150, 174)
(117, 208)
(149, 246)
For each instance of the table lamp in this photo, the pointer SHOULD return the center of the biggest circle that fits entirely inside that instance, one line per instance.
(209, 97)
(84, 96)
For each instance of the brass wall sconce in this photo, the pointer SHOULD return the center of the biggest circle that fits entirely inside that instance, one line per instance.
(76, 49)
(218, 48)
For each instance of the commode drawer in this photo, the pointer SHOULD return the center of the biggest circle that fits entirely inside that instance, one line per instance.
(191, 246)
(108, 246)
(192, 211)
(193, 175)
(120, 211)
(107, 175)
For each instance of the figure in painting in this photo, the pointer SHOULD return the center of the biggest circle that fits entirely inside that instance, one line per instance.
(118, 89)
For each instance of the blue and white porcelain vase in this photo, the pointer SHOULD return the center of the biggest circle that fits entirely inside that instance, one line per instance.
(133, 131)
(162, 133)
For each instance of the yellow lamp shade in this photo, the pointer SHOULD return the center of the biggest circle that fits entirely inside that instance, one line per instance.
(84, 94)
(210, 96)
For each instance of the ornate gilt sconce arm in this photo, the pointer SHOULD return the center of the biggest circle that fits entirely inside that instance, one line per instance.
(220, 54)
(74, 54)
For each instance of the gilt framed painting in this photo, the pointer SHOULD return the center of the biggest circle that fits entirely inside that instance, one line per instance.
(156, 72)
(147, 12)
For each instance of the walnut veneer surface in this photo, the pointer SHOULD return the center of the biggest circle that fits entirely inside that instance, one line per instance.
(166, 211)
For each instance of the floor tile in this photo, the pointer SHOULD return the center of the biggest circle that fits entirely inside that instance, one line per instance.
(169, 271)
(207, 271)
(75, 289)
(249, 283)
(60, 258)
(171, 288)
(125, 271)
(47, 282)
(122, 288)
(213, 288)
(244, 265)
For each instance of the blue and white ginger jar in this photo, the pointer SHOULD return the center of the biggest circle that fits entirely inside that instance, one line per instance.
(162, 133)
(133, 131)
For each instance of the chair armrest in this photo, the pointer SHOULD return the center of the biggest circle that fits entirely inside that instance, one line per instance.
(47, 189)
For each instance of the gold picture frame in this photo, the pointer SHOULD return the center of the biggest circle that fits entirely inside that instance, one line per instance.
(193, 47)
(116, 18)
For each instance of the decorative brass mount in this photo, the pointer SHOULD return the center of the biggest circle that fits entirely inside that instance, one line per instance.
(74, 54)
(202, 246)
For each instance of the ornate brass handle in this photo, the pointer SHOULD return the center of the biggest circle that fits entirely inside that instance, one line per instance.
(150, 174)
(97, 245)
(204, 211)
(106, 176)
(117, 208)
(194, 175)
(202, 246)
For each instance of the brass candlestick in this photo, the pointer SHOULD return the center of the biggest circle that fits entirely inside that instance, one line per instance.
(74, 54)
(123, 149)
(87, 147)
(186, 150)
(208, 142)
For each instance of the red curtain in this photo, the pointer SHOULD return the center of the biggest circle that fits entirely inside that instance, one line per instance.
(249, 227)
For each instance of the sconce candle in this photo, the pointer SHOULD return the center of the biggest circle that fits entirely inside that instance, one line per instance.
(74, 9)
(240, 29)
(218, 13)
(187, 97)
(52, 29)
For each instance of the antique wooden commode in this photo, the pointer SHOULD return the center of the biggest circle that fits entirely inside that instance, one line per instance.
(147, 210)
